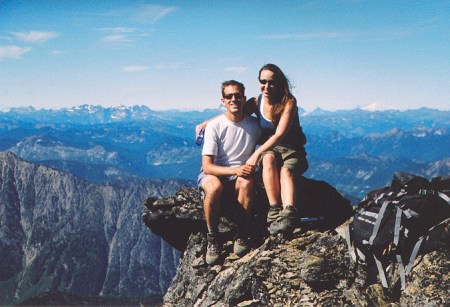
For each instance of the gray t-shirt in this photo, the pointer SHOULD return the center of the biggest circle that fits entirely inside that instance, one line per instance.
(231, 143)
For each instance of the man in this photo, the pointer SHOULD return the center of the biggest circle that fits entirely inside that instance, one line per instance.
(229, 141)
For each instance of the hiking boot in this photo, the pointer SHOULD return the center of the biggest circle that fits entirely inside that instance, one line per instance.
(286, 222)
(273, 213)
(213, 249)
(282, 225)
(290, 212)
(240, 247)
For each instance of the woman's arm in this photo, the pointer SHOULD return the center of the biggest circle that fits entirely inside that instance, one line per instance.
(249, 108)
(282, 129)
(203, 125)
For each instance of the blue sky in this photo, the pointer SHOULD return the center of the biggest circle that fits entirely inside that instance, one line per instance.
(338, 54)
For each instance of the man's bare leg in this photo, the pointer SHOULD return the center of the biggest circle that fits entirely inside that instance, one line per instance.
(244, 189)
(211, 205)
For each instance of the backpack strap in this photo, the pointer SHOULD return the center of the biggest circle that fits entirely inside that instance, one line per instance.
(444, 197)
(350, 245)
(401, 269)
(414, 253)
(416, 249)
(398, 221)
(378, 263)
(419, 242)
(378, 221)
(434, 192)
(354, 252)
(381, 196)
(381, 271)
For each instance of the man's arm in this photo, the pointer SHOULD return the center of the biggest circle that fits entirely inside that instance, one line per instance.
(211, 169)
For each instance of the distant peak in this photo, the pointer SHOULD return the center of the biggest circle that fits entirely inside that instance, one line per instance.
(377, 106)
(318, 112)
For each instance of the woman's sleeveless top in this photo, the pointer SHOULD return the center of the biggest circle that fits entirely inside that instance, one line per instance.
(294, 139)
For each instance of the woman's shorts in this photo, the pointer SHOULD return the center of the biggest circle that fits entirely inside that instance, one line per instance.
(286, 157)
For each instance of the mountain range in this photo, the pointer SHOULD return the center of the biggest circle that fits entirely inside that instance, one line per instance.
(99, 144)
(73, 182)
(59, 232)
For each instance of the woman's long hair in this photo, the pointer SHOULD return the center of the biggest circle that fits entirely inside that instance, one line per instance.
(282, 94)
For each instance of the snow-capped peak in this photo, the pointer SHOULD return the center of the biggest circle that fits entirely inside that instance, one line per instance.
(376, 106)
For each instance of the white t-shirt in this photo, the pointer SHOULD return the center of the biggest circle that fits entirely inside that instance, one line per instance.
(231, 143)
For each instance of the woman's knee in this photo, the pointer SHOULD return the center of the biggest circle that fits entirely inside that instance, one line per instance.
(286, 173)
(269, 160)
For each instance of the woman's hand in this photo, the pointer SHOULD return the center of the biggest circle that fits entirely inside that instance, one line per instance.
(253, 160)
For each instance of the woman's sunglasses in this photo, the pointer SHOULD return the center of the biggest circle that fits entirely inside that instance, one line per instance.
(264, 81)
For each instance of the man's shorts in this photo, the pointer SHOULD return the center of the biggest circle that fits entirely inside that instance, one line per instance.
(226, 180)
(286, 157)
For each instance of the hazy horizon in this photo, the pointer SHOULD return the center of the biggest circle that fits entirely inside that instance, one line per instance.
(373, 107)
(338, 54)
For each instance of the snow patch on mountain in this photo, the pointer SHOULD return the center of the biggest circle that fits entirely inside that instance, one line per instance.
(376, 106)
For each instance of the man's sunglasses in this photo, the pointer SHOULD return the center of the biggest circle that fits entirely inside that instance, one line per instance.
(230, 96)
(264, 81)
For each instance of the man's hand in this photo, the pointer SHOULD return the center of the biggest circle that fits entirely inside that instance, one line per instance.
(245, 171)
(199, 127)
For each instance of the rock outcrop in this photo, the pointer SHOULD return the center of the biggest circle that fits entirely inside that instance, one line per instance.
(309, 268)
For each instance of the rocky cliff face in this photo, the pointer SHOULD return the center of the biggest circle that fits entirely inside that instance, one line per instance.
(61, 233)
(309, 268)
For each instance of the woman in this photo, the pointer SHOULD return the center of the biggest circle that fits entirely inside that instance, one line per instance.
(281, 153)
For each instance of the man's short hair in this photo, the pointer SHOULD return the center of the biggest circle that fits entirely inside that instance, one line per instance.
(233, 82)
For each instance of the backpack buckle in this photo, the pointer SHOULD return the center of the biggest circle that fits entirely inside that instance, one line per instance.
(426, 192)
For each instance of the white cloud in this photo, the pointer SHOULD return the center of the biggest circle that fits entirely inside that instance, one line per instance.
(324, 35)
(145, 13)
(119, 38)
(236, 69)
(150, 13)
(148, 33)
(14, 52)
(35, 37)
(135, 68)
(58, 51)
(118, 30)
(115, 13)
(171, 66)
(378, 34)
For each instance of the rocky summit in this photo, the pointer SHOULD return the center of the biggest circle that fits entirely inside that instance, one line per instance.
(311, 267)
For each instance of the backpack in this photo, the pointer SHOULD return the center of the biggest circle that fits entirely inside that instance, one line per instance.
(393, 222)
